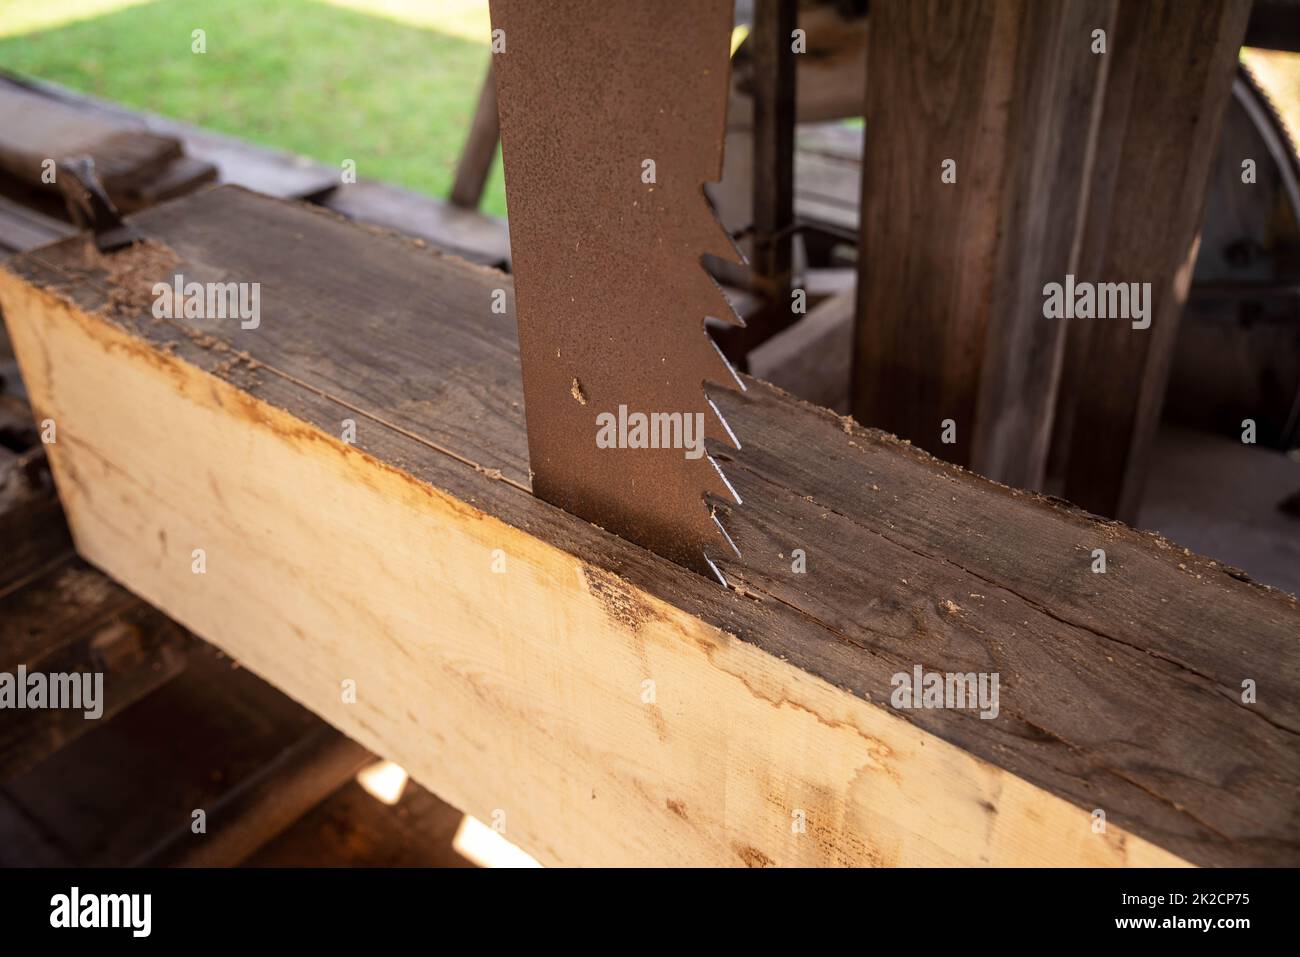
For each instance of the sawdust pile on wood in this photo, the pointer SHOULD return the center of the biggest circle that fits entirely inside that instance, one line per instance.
(131, 273)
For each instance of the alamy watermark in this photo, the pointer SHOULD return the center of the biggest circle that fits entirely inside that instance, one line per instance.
(60, 690)
(1101, 300)
(946, 689)
(653, 430)
(209, 300)
(75, 909)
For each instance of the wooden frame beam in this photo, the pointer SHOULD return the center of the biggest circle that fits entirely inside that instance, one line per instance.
(616, 708)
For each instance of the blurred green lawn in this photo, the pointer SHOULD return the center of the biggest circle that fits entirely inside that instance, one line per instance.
(391, 84)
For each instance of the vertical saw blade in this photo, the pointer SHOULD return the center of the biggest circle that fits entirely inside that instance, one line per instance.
(612, 119)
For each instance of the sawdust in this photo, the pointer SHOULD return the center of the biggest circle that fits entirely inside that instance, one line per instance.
(131, 274)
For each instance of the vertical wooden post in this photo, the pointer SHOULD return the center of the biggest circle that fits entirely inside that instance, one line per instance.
(1066, 160)
(1172, 63)
(1052, 140)
(480, 147)
(940, 80)
(774, 98)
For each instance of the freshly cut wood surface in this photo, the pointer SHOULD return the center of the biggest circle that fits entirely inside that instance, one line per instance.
(524, 692)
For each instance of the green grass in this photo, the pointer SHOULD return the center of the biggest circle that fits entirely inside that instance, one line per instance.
(332, 81)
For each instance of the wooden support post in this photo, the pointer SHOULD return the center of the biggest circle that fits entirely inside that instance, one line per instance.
(480, 147)
(774, 99)
(1051, 140)
(769, 145)
(1064, 161)
(980, 121)
(1170, 76)
(355, 469)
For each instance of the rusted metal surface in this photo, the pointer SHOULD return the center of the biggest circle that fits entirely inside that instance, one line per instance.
(611, 294)
(90, 208)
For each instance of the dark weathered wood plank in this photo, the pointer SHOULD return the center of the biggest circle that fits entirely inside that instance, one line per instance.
(811, 359)
(466, 233)
(34, 129)
(32, 527)
(269, 171)
(951, 324)
(22, 228)
(1170, 76)
(1057, 102)
(928, 248)
(351, 828)
(260, 807)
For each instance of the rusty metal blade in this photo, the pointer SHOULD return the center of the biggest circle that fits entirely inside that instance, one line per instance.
(610, 290)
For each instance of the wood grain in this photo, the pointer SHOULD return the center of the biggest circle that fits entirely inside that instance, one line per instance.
(1060, 84)
(928, 248)
(1170, 77)
(950, 323)
(136, 165)
(523, 691)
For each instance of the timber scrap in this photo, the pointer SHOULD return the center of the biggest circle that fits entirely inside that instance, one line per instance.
(501, 647)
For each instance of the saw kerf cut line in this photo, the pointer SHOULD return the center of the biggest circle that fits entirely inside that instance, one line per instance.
(612, 121)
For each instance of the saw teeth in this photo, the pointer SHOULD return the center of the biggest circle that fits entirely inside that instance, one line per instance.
(740, 383)
(721, 577)
(605, 168)
(722, 419)
(726, 481)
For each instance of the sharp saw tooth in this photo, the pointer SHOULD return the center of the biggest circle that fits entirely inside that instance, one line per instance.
(612, 120)
(723, 419)
(730, 368)
(725, 534)
(714, 568)
(726, 481)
